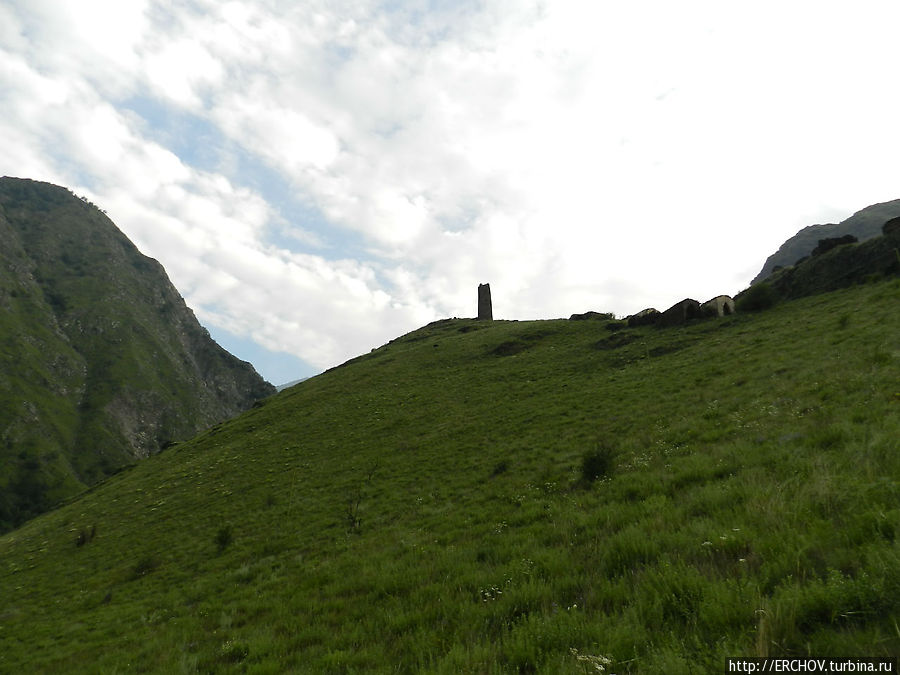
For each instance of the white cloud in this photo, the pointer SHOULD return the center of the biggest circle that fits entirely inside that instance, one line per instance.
(575, 155)
(284, 137)
(181, 69)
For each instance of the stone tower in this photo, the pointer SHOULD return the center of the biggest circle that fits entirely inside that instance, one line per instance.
(485, 311)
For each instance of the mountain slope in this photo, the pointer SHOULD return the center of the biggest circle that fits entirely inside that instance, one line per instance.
(101, 361)
(503, 497)
(837, 267)
(863, 224)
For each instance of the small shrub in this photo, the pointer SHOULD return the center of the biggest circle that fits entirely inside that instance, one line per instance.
(510, 348)
(881, 356)
(757, 298)
(85, 536)
(144, 566)
(224, 537)
(233, 652)
(597, 463)
(351, 516)
(500, 467)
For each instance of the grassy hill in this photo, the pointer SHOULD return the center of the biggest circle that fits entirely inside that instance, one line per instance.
(101, 361)
(540, 496)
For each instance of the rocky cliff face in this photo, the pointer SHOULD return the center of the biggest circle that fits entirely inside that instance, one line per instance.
(101, 360)
(863, 225)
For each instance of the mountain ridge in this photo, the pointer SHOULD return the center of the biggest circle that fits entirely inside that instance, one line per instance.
(102, 362)
(864, 224)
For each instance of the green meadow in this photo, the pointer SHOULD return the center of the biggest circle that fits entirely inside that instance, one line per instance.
(503, 497)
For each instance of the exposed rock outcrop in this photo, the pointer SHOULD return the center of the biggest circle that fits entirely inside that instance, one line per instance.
(826, 245)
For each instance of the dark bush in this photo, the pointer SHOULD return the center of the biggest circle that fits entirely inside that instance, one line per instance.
(500, 467)
(510, 348)
(224, 537)
(597, 463)
(144, 566)
(85, 536)
(757, 298)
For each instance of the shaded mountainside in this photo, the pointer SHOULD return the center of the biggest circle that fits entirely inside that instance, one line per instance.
(841, 266)
(863, 225)
(830, 267)
(101, 361)
(503, 497)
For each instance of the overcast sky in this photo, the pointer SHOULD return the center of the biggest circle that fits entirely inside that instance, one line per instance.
(321, 176)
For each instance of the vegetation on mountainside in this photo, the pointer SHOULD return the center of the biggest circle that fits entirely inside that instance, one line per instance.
(101, 362)
(842, 265)
(540, 496)
(863, 224)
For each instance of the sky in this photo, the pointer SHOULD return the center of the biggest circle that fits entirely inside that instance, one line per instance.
(320, 177)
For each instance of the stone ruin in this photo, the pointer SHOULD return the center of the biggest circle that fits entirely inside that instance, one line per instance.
(682, 312)
(592, 316)
(485, 310)
(721, 305)
(688, 309)
(646, 317)
(679, 313)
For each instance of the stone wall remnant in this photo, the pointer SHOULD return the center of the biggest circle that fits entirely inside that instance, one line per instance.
(680, 313)
(592, 316)
(645, 317)
(721, 305)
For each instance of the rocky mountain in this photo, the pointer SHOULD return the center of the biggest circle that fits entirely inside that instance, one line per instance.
(101, 360)
(864, 224)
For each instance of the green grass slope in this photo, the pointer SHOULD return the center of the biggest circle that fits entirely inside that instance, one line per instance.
(545, 496)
